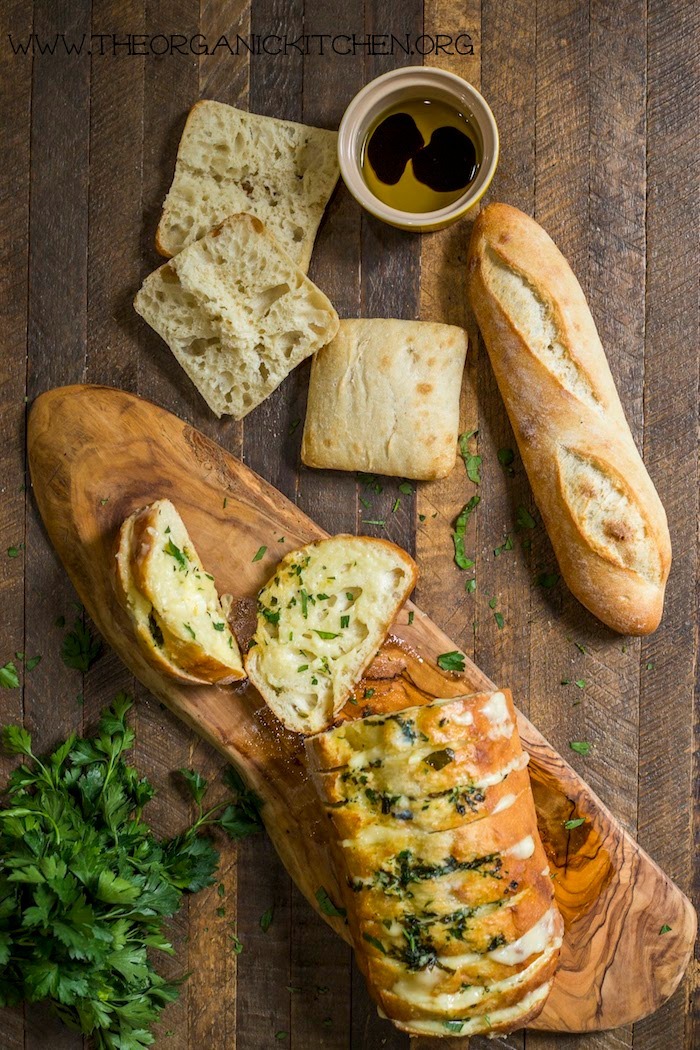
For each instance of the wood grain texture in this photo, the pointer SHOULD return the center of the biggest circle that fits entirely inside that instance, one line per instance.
(85, 439)
(599, 111)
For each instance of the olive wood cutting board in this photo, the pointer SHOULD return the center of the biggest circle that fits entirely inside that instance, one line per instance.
(97, 453)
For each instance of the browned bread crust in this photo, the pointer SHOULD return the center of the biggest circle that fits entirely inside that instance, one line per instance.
(601, 510)
(452, 917)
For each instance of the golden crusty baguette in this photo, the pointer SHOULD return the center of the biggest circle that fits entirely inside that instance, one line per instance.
(453, 920)
(605, 520)
(172, 602)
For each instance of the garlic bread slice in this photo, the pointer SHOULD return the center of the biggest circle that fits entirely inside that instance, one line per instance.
(173, 603)
(321, 619)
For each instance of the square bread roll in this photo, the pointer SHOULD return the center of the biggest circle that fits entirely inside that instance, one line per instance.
(384, 398)
(237, 313)
(230, 161)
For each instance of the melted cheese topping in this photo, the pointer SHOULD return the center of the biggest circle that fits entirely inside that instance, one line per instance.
(523, 849)
(496, 1018)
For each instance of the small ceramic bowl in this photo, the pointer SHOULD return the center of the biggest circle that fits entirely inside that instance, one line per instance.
(395, 87)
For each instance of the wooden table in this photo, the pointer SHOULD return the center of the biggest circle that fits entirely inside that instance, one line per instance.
(597, 107)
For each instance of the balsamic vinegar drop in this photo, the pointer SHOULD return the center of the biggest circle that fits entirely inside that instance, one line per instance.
(421, 155)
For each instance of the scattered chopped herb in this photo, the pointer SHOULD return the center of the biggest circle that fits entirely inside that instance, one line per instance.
(411, 616)
(293, 426)
(236, 944)
(470, 586)
(650, 665)
(471, 462)
(225, 504)
(523, 519)
(581, 648)
(326, 635)
(32, 662)
(365, 502)
(344, 622)
(500, 622)
(218, 626)
(576, 823)
(280, 1035)
(397, 504)
(370, 481)
(260, 553)
(104, 501)
(266, 918)
(453, 661)
(439, 759)
(507, 545)
(79, 649)
(493, 602)
(406, 488)
(368, 694)
(175, 553)
(326, 904)
(189, 630)
(13, 552)
(281, 539)
(453, 1026)
(581, 747)
(381, 522)
(461, 560)
(9, 679)
(547, 580)
(302, 667)
(271, 615)
(421, 517)
(580, 683)
(221, 889)
(505, 458)
(665, 928)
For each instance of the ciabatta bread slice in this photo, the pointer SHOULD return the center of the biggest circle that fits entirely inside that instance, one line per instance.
(237, 313)
(172, 602)
(321, 619)
(384, 399)
(230, 161)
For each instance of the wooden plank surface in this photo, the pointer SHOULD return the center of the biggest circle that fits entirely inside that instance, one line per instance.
(598, 110)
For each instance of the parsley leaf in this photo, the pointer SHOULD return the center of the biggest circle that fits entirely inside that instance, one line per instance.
(581, 747)
(9, 679)
(453, 661)
(461, 522)
(175, 553)
(665, 928)
(326, 904)
(524, 520)
(472, 463)
(576, 823)
(260, 553)
(327, 635)
(266, 918)
(86, 886)
(79, 649)
(505, 458)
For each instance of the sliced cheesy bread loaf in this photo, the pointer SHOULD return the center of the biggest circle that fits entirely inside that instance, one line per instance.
(446, 884)
(321, 619)
(237, 313)
(230, 161)
(384, 398)
(172, 602)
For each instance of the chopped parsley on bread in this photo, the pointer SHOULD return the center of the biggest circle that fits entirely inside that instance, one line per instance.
(321, 620)
(172, 602)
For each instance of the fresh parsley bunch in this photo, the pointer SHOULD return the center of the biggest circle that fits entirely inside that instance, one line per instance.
(85, 885)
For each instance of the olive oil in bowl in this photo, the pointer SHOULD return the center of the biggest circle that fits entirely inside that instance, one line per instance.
(421, 155)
